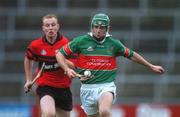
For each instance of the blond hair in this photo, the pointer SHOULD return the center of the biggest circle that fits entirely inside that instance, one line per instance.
(49, 16)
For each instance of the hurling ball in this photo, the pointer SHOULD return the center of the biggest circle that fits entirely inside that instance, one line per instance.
(87, 73)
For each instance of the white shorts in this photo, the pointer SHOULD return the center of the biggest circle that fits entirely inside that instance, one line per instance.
(90, 94)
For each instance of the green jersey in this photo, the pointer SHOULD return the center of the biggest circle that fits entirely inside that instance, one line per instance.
(98, 57)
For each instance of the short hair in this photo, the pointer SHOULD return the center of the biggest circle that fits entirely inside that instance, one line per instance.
(49, 16)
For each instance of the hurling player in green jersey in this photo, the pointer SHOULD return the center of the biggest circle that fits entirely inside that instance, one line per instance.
(97, 52)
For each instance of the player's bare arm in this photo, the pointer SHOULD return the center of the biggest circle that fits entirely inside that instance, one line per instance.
(64, 65)
(29, 74)
(70, 64)
(139, 59)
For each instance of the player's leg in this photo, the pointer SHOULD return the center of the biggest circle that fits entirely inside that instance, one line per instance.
(47, 105)
(47, 102)
(105, 104)
(62, 113)
(107, 97)
(95, 115)
(89, 96)
(63, 98)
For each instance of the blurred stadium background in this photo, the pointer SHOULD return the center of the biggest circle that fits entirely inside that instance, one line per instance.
(150, 27)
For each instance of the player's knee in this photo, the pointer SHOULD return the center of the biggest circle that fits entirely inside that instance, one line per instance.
(48, 114)
(105, 112)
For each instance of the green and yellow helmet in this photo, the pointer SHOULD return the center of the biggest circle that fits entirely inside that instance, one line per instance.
(100, 20)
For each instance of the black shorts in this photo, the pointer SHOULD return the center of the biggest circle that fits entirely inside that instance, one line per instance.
(62, 96)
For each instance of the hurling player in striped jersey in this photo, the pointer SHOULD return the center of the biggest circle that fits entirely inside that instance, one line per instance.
(53, 87)
(97, 52)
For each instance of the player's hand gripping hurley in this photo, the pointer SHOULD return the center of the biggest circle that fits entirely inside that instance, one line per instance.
(87, 75)
(39, 74)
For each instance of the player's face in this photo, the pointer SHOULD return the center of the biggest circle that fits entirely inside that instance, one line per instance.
(50, 27)
(99, 31)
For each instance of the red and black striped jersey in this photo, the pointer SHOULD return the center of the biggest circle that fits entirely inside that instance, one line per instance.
(40, 50)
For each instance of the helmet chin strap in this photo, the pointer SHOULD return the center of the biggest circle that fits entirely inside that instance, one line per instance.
(99, 39)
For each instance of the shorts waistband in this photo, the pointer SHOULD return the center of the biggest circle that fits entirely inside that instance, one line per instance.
(96, 85)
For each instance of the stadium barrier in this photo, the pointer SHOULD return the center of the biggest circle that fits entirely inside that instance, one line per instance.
(118, 110)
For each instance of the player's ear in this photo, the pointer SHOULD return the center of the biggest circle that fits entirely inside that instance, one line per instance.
(42, 27)
(58, 26)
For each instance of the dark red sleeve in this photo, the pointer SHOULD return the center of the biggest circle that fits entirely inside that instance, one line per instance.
(30, 53)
